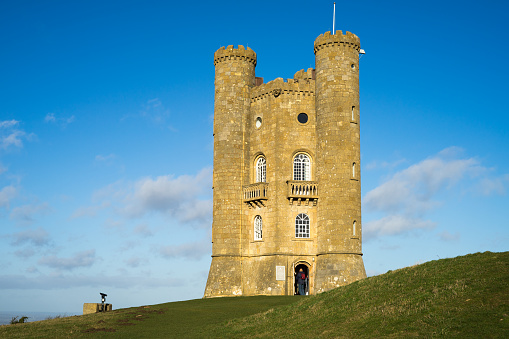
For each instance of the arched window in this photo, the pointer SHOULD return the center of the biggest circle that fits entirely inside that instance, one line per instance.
(354, 228)
(353, 170)
(258, 228)
(261, 170)
(301, 167)
(302, 226)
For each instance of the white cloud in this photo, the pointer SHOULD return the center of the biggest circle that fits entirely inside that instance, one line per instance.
(394, 225)
(412, 190)
(50, 117)
(38, 237)
(497, 185)
(6, 195)
(80, 259)
(10, 136)
(8, 123)
(185, 198)
(406, 197)
(62, 121)
(24, 214)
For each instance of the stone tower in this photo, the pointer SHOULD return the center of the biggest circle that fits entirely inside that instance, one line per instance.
(286, 173)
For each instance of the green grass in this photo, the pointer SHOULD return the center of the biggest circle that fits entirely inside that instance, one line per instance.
(463, 297)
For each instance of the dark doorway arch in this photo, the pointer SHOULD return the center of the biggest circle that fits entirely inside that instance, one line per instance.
(305, 269)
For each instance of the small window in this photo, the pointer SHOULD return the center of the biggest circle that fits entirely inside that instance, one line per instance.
(353, 113)
(261, 170)
(302, 118)
(258, 228)
(354, 231)
(258, 122)
(353, 170)
(301, 167)
(302, 226)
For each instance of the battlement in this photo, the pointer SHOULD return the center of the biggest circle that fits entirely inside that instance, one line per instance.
(329, 40)
(304, 75)
(279, 87)
(228, 53)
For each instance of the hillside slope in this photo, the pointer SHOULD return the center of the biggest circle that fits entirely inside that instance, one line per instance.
(464, 297)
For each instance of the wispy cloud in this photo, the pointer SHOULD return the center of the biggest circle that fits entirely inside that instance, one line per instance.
(6, 195)
(154, 111)
(395, 224)
(135, 262)
(11, 136)
(61, 121)
(105, 158)
(385, 164)
(406, 197)
(186, 198)
(25, 214)
(38, 237)
(80, 259)
(143, 230)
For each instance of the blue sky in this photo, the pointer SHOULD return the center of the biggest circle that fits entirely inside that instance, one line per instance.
(106, 136)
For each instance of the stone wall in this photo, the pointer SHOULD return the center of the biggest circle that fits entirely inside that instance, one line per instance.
(329, 96)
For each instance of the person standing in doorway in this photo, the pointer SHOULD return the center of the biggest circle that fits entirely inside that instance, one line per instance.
(301, 282)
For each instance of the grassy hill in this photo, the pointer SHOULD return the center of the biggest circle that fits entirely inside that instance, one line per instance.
(464, 297)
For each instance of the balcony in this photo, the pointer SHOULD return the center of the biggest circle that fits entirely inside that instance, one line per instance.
(302, 192)
(255, 194)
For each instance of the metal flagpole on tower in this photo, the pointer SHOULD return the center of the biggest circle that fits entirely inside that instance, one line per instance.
(334, 20)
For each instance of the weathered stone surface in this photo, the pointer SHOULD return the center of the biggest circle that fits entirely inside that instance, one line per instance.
(329, 95)
(95, 307)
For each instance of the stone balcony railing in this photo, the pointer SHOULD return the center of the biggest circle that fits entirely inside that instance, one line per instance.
(302, 192)
(255, 194)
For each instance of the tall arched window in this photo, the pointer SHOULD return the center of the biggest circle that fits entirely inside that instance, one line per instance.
(353, 170)
(258, 228)
(354, 226)
(301, 167)
(302, 226)
(261, 170)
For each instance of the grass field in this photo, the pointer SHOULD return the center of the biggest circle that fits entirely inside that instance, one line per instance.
(463, 297)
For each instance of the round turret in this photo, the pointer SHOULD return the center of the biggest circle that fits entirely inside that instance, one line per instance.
(338, 158)
(235, 75)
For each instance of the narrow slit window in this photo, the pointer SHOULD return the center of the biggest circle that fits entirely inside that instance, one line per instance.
(353, 170)
(353, 113)
(354, 230)
(258, 228)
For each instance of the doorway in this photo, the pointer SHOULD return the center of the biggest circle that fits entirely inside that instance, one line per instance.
(305, 269)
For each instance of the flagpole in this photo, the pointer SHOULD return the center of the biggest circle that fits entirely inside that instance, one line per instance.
(334, 20)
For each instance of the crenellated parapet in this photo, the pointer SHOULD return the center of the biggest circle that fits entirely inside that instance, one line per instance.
(303, 75)
(330, 40)
(279, 87)
(240, 53)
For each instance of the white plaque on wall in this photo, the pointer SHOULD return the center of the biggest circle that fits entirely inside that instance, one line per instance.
(280, 273)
